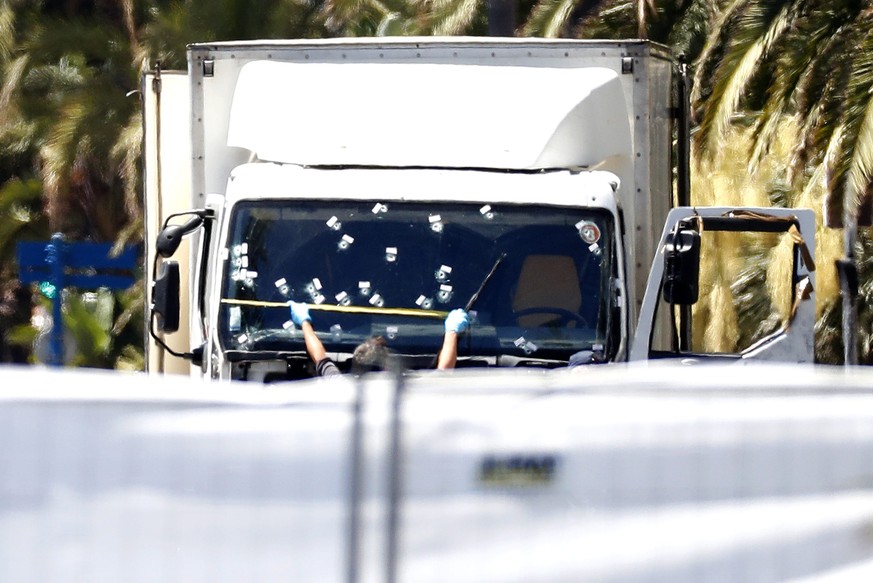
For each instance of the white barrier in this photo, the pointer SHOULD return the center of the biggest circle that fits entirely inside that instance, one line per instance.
(657, 473)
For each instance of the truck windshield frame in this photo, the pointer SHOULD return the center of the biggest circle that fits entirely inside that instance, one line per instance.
(394, 269)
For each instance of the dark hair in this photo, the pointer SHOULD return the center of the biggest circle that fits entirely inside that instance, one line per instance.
(371, 355)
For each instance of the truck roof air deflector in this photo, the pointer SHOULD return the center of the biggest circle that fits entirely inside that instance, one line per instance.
(506, 117)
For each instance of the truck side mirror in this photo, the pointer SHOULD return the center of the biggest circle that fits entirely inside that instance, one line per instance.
(165, 297)
(682, 267)
(170, 236)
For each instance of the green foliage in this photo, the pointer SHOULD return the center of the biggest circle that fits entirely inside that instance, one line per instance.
(805, 66)
(97, 325)
(812, 60)
(20, 216)
(172, 26)
(22, 335)
(70, 130)
(756, 317)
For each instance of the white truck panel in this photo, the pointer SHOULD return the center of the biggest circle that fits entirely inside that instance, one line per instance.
(274, 181)
(612, 473)
(167, 186)
(378, 114)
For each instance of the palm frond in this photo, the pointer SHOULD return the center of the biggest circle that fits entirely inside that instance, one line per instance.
(689, 30)
(851, 159)
(713, 51)
(125, 157)
(820, 50)
(549, 18)
(7, 31)
(760, 27)
(20, 205)
(860, 107)
(452, 17)
(604, 19)
(13, 74)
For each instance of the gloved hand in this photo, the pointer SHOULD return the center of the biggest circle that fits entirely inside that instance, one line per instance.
(299, 313)
(457, 321)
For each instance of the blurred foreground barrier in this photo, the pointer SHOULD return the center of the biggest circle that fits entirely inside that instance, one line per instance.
(620, 474)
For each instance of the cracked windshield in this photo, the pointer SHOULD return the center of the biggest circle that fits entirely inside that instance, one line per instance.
(536, 276)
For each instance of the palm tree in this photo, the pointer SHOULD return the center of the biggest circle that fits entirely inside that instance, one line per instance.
(169, 28)
(807, 64)
(680, 24)
(70, 120)
(67, 114)
(67, 82)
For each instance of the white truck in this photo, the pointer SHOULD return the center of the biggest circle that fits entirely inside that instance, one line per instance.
(386, 181)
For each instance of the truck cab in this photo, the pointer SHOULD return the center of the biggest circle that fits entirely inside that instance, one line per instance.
(385, 182)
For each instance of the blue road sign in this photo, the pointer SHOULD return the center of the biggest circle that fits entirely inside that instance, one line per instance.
(82, 265)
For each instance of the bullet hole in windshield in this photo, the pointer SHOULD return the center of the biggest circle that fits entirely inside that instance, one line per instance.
(487, 212)
(380, 208)
(526, 345)
(424, 302)
(442, 274)
(313, 288)
(343, 299)
(239, 262)
(436, 223)
(334, 223)
(390, 254)
(345, 242)
(444, 295)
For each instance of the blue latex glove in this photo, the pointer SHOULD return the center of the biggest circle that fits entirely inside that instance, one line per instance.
(457, 321)
(299, 313)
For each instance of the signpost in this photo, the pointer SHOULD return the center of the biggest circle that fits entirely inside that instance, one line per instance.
(82, 265)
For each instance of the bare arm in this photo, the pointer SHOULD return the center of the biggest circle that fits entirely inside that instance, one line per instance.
(300, 317)
(313, 345)
(449, 352)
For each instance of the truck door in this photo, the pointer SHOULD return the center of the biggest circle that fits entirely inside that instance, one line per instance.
(757, 307)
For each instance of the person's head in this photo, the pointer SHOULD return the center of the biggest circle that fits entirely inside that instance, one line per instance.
(371, 355)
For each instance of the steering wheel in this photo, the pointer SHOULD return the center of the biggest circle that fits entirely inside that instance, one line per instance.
(566, 316)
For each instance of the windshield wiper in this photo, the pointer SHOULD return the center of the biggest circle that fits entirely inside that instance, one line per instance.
(485, 281)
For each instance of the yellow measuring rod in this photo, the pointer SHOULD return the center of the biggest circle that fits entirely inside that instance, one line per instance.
(414, 312)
